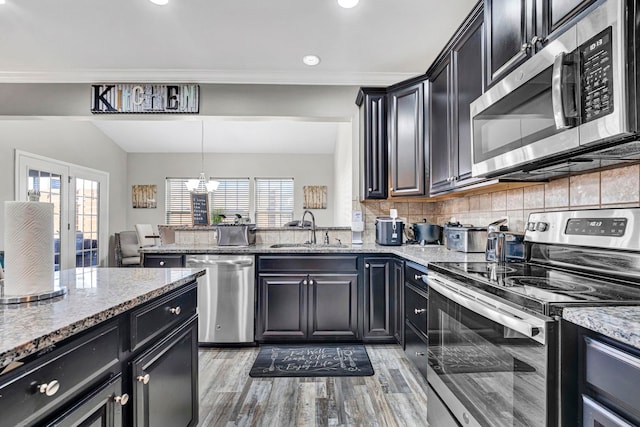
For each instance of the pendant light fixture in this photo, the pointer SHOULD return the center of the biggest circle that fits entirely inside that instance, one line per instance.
(202, 182)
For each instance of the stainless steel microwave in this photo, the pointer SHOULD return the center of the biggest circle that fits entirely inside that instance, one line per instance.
(573, 99)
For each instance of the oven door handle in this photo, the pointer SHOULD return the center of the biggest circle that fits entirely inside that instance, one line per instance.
(523, 324)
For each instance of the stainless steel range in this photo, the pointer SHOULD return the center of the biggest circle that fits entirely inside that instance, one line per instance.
(493, 327)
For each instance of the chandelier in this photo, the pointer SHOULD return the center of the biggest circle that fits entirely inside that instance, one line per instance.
(201, 183)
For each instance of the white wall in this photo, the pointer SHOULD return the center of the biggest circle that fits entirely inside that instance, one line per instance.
(71, 141)
(315, 169)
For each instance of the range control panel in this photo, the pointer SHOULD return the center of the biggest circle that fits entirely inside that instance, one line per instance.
(597, 76)
(596, 226)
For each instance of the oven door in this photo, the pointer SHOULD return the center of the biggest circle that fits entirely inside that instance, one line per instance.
(490, 363)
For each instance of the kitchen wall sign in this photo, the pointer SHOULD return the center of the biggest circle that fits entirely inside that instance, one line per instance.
(144, 196)
(315, 197)
(145, 98)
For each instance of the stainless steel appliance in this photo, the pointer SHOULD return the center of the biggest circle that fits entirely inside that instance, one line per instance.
(236, 234)
(465, 238)
(389, 231)
(568, 107)
(493, 330)
(425, 232)
(226, 298)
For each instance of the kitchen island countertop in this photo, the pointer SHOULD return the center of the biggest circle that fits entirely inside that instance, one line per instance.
(621, 323)
(93, 296)
(416, 253)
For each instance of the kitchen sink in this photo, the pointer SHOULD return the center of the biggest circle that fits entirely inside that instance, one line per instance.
(307, 245)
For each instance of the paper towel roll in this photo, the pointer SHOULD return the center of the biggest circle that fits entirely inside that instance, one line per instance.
(28, 248)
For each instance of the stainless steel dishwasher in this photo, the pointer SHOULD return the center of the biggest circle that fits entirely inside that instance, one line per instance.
(226, 298)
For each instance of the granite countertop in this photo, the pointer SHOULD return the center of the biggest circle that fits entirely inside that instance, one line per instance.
(621, 323)
(93, 296)
(416, 253)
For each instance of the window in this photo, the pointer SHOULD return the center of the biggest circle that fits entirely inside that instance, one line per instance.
(231, 197)
(274, 201)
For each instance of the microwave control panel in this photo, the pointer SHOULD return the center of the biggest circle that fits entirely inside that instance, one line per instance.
(597, 76)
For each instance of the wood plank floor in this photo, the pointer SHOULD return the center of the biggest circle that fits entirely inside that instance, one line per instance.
(394, 396)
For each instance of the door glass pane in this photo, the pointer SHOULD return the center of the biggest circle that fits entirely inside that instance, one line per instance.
(87, 203)
(520, 118)
(49, 186)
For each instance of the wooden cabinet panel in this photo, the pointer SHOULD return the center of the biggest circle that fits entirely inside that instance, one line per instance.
(163, 260)
(373, 142)
(406, 140)
(333, 306)
(379, 306)
(561, 11)
(165, 378)
(282, 310)
(440, 128)
(398, 312)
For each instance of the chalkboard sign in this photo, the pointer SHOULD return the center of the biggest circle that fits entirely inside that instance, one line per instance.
(200, 208)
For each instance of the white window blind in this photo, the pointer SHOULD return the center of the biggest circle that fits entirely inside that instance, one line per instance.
(274, 201)
(231, 197)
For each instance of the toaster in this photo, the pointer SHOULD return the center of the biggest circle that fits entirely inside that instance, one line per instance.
(236, 234)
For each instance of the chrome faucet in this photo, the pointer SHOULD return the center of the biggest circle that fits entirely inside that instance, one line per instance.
(312, 232)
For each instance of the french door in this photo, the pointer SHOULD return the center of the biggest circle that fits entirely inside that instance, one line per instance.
(80, 205)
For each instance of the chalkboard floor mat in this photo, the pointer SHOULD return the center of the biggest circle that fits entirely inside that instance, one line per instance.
(325, 360)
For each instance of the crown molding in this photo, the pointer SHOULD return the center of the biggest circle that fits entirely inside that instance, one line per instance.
(306, 77)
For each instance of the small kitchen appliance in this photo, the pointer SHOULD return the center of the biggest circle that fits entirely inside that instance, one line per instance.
(357, 227)
(236, 234)
(465, 238)
(496, 325)
(505, 247)
(389, 231)
(425, 232)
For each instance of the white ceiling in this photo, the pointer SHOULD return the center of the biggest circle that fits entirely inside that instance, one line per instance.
(379, 42)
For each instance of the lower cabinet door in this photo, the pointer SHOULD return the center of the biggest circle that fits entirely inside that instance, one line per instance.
(333, 306)
(102, 408)
(416, 348)
(282, 308)
(379, 306)
(165, 381)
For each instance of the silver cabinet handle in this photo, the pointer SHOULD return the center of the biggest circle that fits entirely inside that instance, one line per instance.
(370, 189)
(144, 379)
(49, 388)
(417, 276)
(175, 310)
(366, 265)
(311, 281)
(535, 40)
(419, 354)
(122, 400)
(161, 263)
(525, 47)
(304, 282)
(420, 310)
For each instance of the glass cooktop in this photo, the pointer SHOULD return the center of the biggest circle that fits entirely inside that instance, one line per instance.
(540, 287)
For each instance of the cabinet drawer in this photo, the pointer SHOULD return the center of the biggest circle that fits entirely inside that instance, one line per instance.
(415, 307)
(162, 314)
(614, 372)
(68, 372)
(307, 264)
(416, 349)
(413, 274)
(163, 261)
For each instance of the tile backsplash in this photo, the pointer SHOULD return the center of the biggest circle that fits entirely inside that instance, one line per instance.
(619, 187)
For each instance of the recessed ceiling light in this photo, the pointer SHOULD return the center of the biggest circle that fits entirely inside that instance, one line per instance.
(311, 60)
(348, 4)
(2, 1)
(158, 2)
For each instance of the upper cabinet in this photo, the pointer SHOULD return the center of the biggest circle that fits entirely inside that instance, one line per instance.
(455, 81)
(407, 166)
(373, 142)
(518, 29)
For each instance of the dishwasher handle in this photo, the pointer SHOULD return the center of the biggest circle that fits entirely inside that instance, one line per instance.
(205, 262)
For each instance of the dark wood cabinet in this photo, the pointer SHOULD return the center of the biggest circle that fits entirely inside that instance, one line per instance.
(165, 378)
(103, 408)
(373, 142)
(398, 323)
(379, 296)
(518, 29)
(415, 315)
(307, 298)
(163, 260)
(406, 123)
(455, 82)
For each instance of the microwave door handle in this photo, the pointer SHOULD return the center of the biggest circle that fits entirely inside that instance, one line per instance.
(557, 94)
(504, 318)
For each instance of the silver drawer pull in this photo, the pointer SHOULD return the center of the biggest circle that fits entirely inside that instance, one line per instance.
(418, 276)
(50, 388)
(122, 400)
(175, 310)
(419, 354)
(304, 282)
(144, 379)
(420, 310)
(161, 263)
